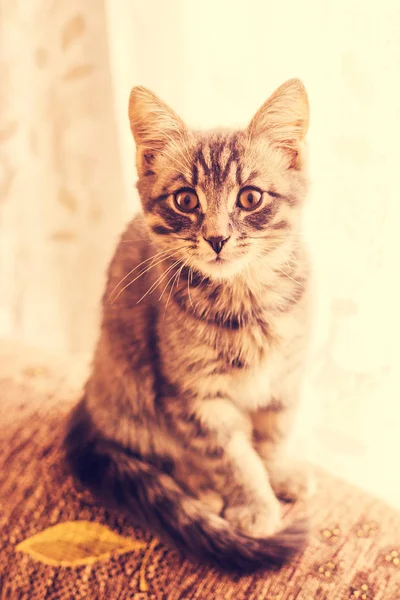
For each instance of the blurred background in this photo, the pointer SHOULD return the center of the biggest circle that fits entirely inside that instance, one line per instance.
(67, 178)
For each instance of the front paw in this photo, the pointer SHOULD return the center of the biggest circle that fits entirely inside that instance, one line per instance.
(256, 519)
(212, 501)
(291, 481)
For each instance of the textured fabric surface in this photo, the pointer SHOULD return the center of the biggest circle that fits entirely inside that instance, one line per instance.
(354, 551)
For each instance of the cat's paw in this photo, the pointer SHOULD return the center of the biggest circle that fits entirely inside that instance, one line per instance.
(291, 481)
(258, 519)
(212, 501)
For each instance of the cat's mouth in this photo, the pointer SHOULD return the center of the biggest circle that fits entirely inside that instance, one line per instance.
(220, 267)
(218, 262)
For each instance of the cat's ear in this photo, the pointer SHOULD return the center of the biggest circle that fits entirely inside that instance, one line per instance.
(153, 125)
(283, 120)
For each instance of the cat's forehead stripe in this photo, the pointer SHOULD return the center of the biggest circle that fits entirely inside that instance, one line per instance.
(195, 175)
(215, 159)
(201, 161)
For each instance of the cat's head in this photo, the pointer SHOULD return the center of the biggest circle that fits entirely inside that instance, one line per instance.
(222, 202)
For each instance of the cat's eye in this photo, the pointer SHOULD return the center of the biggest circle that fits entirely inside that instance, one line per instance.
(249, 198)
(186, 200)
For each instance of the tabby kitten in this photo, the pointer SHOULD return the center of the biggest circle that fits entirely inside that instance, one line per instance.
(196, 374)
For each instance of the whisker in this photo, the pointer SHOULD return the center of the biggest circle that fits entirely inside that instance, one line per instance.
(158, 254)
(180, 271)
(190, 298)
(172, 287)
(294, 280)
(163, 292)
(176, 281)
(158, 281)
(145, 271)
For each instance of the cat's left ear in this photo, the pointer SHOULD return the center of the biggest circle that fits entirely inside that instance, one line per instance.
(283, 120)
(153, 125)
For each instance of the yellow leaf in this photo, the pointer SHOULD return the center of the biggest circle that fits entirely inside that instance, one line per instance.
(77, 543)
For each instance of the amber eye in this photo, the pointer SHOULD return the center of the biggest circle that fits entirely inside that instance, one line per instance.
(249, 198)
(186, 200)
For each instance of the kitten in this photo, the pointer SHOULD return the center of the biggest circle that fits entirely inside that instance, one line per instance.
(196, 374)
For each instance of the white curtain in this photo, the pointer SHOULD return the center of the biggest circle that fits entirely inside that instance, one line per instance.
(67, 177)
(61, 194)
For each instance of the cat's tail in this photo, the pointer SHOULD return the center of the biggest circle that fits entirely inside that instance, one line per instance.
(154, 499)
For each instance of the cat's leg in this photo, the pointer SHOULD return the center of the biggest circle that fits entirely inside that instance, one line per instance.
(250, 500)
(220, 435)
(290, 479)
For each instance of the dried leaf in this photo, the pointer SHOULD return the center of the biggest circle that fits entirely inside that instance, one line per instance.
(77, 543)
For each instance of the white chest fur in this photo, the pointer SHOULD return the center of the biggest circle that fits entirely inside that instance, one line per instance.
(249, 389)
(273, 377)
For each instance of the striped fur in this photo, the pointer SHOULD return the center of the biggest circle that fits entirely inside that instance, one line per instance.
(196, 375)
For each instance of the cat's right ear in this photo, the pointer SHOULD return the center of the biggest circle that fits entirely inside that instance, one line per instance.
(153, 125)
(283, 120)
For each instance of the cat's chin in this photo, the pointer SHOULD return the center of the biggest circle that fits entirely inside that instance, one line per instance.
(221, 268)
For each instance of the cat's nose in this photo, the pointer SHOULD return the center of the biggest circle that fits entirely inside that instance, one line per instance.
(217, 242)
